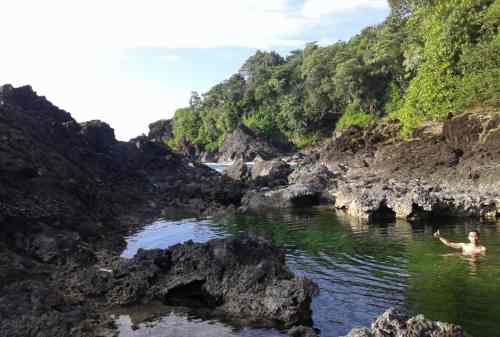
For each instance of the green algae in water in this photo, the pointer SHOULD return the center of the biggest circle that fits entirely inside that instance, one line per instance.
(363, 270)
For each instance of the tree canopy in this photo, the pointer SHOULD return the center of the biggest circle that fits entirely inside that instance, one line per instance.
(428, 59)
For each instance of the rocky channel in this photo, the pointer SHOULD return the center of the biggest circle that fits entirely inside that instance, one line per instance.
(69, 192)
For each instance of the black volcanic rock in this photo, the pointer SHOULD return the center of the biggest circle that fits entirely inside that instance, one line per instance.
(100, 135)
(246, 144)
(160, 131)
(245, 278)
(64, 187)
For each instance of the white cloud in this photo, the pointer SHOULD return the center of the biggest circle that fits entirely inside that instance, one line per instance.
(70, 50)
(314, 9)
(131, 23)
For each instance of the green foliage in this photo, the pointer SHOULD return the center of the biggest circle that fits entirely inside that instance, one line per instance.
(458, 63)
(186, 125)
(354, 116)
(428, 59)
(394, 99)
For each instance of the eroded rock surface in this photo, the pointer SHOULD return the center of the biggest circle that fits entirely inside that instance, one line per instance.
(444, 170)
(65, 189)
(246, 144)
(396, 324)
(246, 278)
(161, 131)
(238, 170)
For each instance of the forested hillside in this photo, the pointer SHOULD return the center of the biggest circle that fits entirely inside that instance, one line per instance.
(427, 60)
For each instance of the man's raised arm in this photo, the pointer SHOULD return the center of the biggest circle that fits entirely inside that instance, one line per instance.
(450, 244)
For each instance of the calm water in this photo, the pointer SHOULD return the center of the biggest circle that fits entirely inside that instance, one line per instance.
(220, 167)
(361, 270)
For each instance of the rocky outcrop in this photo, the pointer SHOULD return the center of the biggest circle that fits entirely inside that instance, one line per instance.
(161, 131)
(241, 277)
(302, 331)
(396, 324)
(64, 187)
(238, 170)
(371, 198)
(447, 169)
(296, 195)
(277, 185)
(248, 145)
(100, 136)
(273, 169)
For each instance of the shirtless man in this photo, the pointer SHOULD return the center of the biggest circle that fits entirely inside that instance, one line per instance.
(471, 248)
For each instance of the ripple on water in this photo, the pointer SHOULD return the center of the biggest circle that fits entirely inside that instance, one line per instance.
(361, 270)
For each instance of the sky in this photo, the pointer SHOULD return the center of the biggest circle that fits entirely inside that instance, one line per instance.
(131, 62)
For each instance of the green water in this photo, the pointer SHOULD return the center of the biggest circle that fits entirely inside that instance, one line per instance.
(363, 270)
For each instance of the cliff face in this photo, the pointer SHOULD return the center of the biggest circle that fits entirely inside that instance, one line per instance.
(53, 167)
(447, 169)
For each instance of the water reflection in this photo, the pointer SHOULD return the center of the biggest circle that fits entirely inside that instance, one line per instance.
(162, 321)
(364, 269)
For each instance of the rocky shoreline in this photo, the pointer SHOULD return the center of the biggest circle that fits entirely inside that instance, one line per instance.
(69, 192)
(445, 170)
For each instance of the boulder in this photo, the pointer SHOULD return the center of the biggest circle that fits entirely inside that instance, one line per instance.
(100, 135)
(302, 331)
(245, 278)
(247, 144)
(313, 173)
(160, 131)
(238, 170)
(297, 195)
(396, 324)
(274, 170)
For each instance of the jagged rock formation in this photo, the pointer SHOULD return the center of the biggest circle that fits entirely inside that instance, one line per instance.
(396, 324)
(238, 170)
(277, 185)
(297, 195)
(245, 278)
(161, 131)
(246, 144)
(63, 188)
(444, 170)
(273, 169)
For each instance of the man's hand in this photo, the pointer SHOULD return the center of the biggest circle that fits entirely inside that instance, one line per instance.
(437, 235)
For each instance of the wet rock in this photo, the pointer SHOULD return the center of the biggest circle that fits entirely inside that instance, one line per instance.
(296, 195)
(242, 277)
(396, 324)
(377, 198)
(302, 331)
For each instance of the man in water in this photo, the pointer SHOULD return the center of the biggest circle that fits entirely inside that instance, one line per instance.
(471, 248)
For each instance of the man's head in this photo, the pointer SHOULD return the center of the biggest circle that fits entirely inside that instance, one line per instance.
(474, 236)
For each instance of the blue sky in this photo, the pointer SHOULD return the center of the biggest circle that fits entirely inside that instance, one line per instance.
(130, 62)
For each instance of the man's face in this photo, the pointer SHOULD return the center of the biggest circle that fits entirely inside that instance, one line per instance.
(473, 237)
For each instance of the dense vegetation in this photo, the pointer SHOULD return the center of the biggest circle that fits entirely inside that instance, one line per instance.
(430, 58)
